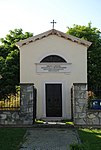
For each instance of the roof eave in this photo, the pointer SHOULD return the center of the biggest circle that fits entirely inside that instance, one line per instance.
(53, 32)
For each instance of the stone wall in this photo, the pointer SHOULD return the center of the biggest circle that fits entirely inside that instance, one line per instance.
(24, 116)
(81, 114)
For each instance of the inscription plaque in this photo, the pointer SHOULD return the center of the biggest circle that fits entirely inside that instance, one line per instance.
(53, 67)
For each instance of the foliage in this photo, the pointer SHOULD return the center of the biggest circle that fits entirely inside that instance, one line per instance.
(10, 138)
(9, 62)
(93, 35)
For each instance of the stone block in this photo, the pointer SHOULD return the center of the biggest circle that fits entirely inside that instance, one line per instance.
(29, 89)
(82, 115)
(81, 108)
(78, 109)
(2, 121)
(7, 112)
(89, 121)
(19, 122)
(31, 110)
(91, 116)
(84, 87)
(80, 122)
(27, 122)
(93, 121)
(83, 100)
(76, 115)
(99, 115)
(6, 122)
(84, 108)
(17, 116)
(96, 121)
(3, 116)
(80, 94)
(77, 88)
(13, 115)
(100, 121)
(81, 104)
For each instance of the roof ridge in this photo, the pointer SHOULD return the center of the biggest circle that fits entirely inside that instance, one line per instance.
(53, 32)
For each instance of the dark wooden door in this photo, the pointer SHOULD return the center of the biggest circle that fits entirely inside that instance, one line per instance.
(53, 100)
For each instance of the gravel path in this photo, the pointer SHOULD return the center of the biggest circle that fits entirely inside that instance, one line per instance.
(50, 139)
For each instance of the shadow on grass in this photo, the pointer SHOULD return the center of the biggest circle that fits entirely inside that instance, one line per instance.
(10, 138)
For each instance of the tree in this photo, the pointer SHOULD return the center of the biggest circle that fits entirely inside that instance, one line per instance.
(9, 61)
(93, 35)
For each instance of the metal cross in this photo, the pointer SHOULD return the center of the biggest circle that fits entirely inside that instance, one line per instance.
(53, 22)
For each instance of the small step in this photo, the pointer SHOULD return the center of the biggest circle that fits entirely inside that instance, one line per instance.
(52, 124)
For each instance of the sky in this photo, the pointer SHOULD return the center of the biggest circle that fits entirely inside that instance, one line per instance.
(35, 15)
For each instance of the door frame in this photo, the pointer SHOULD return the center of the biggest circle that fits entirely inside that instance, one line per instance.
(45, 98)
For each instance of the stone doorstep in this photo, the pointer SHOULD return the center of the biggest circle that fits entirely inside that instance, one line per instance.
(54, 123)
(45, 125)
(52, 126)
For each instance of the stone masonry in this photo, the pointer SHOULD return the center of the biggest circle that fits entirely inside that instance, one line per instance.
(24, 116)
(81, 114)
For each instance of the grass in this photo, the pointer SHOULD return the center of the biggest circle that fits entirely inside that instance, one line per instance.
(78, 147)
(91, 138)
(10, 138)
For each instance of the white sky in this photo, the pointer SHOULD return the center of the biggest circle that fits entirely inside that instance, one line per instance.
(35, 15)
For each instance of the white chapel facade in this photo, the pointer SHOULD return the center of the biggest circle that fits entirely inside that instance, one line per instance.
(53, 61)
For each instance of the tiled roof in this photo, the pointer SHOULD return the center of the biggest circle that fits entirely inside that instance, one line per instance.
(53, 32)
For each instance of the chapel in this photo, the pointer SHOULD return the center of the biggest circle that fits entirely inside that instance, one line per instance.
(53, 61)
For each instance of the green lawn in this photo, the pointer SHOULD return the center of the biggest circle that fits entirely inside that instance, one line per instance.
(91, 139)
(10, 138)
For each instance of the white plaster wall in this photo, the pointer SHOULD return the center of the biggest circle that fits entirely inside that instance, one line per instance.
(72, 52)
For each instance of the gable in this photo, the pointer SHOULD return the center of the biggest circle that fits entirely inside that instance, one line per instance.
(53, 32)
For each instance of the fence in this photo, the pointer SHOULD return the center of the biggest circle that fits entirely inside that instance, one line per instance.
(12, 102)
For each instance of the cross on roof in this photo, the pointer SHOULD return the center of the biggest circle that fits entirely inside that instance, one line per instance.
(53, 22)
